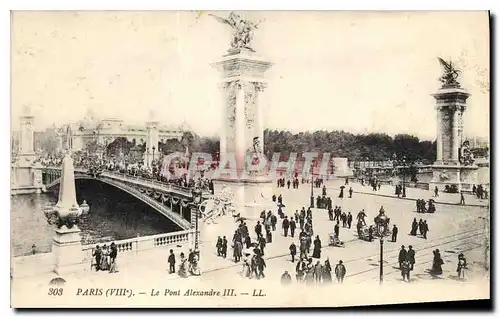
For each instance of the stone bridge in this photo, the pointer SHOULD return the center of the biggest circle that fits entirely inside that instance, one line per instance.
(174, 202)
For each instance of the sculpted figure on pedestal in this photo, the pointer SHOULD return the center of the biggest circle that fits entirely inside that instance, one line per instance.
(243, 30)
(450, 74)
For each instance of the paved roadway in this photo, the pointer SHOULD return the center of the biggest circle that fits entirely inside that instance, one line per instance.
(453, 229)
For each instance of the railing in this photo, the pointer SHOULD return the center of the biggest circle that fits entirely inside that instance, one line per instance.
(186, 191)
(144, 243)
(155, 204)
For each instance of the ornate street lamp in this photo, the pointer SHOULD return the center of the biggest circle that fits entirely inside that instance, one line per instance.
(312, 181)
(382, 223)
(404, 176)
(196, 193)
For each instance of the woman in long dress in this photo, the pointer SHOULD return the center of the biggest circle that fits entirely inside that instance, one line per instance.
(182, 267)
(414, 227)
(437, 263)
(327, 272)
(104, 259)
(317, 248)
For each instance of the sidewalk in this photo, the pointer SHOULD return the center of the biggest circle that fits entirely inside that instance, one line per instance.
(411, 194)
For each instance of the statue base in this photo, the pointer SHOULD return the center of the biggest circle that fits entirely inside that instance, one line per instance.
(463, 177)
(250, 196)
(67, 250)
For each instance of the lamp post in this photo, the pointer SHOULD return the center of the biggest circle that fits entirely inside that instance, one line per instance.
(312, 181)
(381, 222)
(196, 193)
(404, 176)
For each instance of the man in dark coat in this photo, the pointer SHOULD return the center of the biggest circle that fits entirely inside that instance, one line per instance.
(402, 255)
(274, 220)
(293, 226)
(258, 228)
(350, 192)
(97, 254)
(394, 233)
(224, 247)
(349, 219)
(286, 225)
(336, 229)
(340, 272)
(410, 256)
(219, 246)
(171, 262)
(293, 251)
(425, 229)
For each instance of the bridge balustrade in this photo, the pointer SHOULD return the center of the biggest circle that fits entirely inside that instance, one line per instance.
(130, 247)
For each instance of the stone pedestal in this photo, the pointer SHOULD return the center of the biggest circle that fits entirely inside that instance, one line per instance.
(67, 250)
(464, 177)
(251, 196)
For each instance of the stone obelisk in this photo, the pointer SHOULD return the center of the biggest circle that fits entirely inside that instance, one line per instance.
(453, 167)
(242, 84)
(66, 243)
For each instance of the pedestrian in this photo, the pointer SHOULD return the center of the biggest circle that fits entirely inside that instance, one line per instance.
(340, 271)
(285, 225)
(437, 262)
(402, 255)
(262, 244)
(461, 266)
(258, 228)
(405, 270)
(33, 249)
(414, 227)
(288, 183)
(350, 192)
(349, 219)
(462, 198)
(219, 246)
(324, 190)
(274, 220)
(343, 217)
(286, 279)
(112, 258)
(261, 264)
(269, 235)
(370, 233)
(336, 230)
(97, 253)
(327, 272)
(317, 248)
(293, 226)
(224, 247)
(436, 192)
(425, 229)
(410, 256)
(293, 251)
(394, 233)
(318, 272)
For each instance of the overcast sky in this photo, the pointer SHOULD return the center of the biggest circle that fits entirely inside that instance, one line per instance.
(359, 72)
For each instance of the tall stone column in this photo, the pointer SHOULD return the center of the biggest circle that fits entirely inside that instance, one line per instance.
(240, 141)
(259, 127)
(224, 125)
(455, 137)
(439, 140)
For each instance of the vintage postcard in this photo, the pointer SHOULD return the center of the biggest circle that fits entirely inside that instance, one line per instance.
(182, 159)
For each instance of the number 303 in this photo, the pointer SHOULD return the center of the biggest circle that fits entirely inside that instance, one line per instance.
(55, 291)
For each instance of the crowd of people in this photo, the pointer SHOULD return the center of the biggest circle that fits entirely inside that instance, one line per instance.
(104, 259)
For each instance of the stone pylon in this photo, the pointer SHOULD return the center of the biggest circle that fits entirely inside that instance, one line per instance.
(67, 203)
(66, 244)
